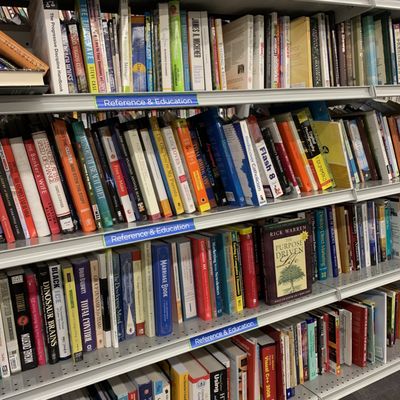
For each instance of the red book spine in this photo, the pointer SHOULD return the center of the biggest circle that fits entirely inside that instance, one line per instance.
(5, 223)
(249, 270)
(42, 186)
(251, 349)
(19, 188)
(37, 325)
(280, 149)
(201, 280)
(268, 372)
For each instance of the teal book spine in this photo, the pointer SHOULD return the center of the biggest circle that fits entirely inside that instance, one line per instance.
(101, 200)
(138, 54)
(371, 69)
(312, 354)
(185, 50)
(388, 232)
(223, 265)
(320, 237)
(149, 53)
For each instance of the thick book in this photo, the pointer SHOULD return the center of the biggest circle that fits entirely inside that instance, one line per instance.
(138, 53)
(161, 260)
(164, 43)
(370, 53)
(196, 56)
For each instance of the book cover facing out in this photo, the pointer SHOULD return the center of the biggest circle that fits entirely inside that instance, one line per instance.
(287, 260)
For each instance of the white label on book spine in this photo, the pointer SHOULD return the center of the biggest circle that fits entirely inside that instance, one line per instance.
(195, 50)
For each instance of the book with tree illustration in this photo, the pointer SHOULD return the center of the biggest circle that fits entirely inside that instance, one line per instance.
(287, 260)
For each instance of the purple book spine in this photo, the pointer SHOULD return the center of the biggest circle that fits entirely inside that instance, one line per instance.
(85, 302)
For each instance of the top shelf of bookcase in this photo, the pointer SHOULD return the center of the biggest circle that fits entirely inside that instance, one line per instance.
(89, 102)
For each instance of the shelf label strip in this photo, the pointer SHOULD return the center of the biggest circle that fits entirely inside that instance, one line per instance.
(223, 333)
(139, 101)
(148, 232)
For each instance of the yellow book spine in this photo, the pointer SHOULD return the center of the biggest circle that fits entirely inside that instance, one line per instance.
(166, 163)
(237, 278)
(180, 385)
(73, 313)
(322, 172)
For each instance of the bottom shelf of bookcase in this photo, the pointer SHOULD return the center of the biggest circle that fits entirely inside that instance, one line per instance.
(351, 379)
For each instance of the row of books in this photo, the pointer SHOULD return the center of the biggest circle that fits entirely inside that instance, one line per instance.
(14, 15)
(269, 363)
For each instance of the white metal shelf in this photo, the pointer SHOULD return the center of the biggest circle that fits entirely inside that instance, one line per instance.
(374, 189)
(331, 387)
(388, 4)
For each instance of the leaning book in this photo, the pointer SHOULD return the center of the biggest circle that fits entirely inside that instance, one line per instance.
(288, 272)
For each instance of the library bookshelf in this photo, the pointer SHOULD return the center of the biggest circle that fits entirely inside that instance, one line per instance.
(48, 381)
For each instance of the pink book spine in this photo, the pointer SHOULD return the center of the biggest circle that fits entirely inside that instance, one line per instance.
(37, 325)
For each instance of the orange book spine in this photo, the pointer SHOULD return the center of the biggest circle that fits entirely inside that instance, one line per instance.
(394, 134)
(73, 176)
(294, 157)
(192, 165)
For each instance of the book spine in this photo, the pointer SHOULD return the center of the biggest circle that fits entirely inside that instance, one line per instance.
(23, 323)
(214, 54)
(217, 276)
(205, 41)
(164, 38)
(268, 370)
(97, 303)
(370, 54)
(99, 193)
(195, 51)
(69, 66)
(4, 364)
(221, 54)
(124, 43)
(175, 286)
(161, 259)
(77, 58)
(34, 308)
(42, 187)
(73, 313)
(185, 50)
(60, 312)
(112, 30)
(53, 181)
(9, 326)
(104, 299)
(147, 284)
(111, 298)
(149, 56)
(5, 224)
(332, 240)
(49, 316)
(87, 47)
(320, 227)
(178, 81)
(275, 50)
(28, 182)
(138, 292)
(128, 294)
(119, 311)
(138, 54)
(109, 56)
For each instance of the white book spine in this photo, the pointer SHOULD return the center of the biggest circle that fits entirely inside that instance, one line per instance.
(205, 35)
(111, 299)
(9, 326)
(111, 155)
(166, 73)
(349, 153)
(58, 72)
(60, 312)
(179, 169)
(258, 53)
(124, 50)
(98, 322)
(177, 307)
(139, 163)
(196, 50)
(101, 258)
(187, 280)
(255, 172)
(147, 279)
(285, 48)
(138, 291)
(323, 50)
(153, 166)
(13, 192)
(390, 149)
(29, 184)
(250, 61)
(367, 250)
(53, 180)
(221, 53)
(4, 364)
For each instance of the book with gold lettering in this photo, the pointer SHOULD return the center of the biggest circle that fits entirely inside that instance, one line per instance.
(288, 273)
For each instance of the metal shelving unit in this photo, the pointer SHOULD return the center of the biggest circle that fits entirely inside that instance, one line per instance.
(373, 189)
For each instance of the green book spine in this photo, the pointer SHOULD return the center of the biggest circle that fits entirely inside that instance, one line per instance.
(312, 355)
(178, 81)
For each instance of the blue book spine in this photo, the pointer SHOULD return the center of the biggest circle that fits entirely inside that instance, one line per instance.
(101, 200)
(128, 299)
(145, 391)
(223, 267)
(84, 296)
(118, 297)
(87, 47)
(158, 388)
(388, 232)
(372, 231)
(332, 241)
(149, 55)
(370, 57)
(320, 228)
(360, 234)
(161, 260)
(110, 64)
(185, 51)
(138, 54)
(217, 277)
(223, 159)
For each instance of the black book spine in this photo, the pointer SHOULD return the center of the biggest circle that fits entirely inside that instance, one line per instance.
(9, 204)
(43, 277)
(108, 176)
(121, 145)
(341, 44)
(105, 309)
(23, 323)
(334, 43)
(2, 237)
(216, 385)
(315, 53)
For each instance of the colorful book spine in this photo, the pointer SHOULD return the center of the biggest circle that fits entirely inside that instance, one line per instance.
(149, 56)
(138, 53)
(69, 66)
(178, 81)
(320, 229)
(185, 50)
(216, 275)
(161, 260)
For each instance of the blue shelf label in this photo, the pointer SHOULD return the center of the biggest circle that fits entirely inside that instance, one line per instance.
(139, 101)
(223, 333)
(148, 232)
